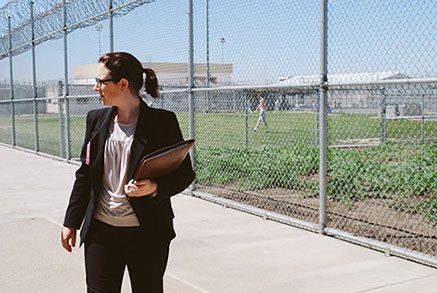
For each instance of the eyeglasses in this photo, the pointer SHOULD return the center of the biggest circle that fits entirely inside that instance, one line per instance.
(100, 81)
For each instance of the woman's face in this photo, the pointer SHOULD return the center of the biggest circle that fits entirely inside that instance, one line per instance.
(108, 90)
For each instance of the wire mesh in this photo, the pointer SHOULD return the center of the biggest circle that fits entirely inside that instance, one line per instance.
(5, 107)
(82, 67)
(77, 118)
(255, 43)
(382, 36)
(381, 176)
(82, 60)
(273, 167)
(84, 99)
(354, 116)
(49, 53)
(243, 153)
(158, 43)
(5, 89)
(48, 131)
(176, 102)
(382, 181)
(5, 123)
(24, 125)
(24, 111)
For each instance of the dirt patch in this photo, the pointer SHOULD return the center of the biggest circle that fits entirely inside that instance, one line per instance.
(5, 127)
(358, 141)
(314, 178)
(379, 219)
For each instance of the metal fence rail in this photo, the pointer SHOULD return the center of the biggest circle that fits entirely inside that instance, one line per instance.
(346, 150)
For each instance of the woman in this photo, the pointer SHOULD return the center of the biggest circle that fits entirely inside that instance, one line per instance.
(124, 222)
(262, 113)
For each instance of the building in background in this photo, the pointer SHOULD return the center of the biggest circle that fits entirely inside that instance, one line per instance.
(357, 99)
(170, 75)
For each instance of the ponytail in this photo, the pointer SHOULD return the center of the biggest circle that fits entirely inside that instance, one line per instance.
(151, 83)
(125, 65)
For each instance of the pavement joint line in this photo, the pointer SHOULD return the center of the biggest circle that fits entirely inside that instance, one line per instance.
(186, 283)
(53, 222)
(397, 283)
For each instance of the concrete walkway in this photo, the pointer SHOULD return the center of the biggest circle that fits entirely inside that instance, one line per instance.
(217, 249)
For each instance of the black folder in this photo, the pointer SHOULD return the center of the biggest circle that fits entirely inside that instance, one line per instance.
(163, 161)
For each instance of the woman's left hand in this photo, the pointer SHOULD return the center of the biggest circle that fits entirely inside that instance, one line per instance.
(137, 188)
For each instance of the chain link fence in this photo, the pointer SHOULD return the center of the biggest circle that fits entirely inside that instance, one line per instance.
(273, 167)
(259, 103)
(5, 105)
(382, 168)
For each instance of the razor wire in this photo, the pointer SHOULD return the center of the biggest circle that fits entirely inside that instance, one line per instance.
(48, 21)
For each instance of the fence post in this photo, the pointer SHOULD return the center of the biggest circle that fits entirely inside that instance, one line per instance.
(35, 105)
(246, 127)
(111, 27)
(191, 84)
(66, 92)
(323, 117)
(317, 109)
(61, 120)
(207, 57)
(12, 83)
(422, 110)
(383, 116)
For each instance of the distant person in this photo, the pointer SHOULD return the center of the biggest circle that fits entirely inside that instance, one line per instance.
(262, 108)
(277, 103)
(316, 103)
(124, 222)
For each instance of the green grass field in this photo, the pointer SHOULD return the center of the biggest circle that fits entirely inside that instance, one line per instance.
(48, 132)
(229, 130)
(300, 128)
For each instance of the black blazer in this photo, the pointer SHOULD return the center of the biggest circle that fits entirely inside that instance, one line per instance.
(155, 129)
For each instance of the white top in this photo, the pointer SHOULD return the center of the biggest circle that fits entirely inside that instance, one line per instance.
(114, 208)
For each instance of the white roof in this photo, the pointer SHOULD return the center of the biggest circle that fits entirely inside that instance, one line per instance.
(367, 76)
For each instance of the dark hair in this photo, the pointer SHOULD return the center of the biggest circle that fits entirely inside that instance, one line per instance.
(125, 65)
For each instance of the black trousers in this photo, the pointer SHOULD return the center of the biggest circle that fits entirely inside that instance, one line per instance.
(110, 249)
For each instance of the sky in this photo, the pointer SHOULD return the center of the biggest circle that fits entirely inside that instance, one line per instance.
(263, 40)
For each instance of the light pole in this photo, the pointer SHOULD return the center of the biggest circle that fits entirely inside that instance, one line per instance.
(99, 28)
(222, 41)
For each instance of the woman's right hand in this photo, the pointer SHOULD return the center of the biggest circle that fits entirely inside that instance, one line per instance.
(68, 234)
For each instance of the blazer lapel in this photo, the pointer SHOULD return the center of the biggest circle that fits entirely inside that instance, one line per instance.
(141, 144)
(99, 139)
